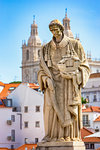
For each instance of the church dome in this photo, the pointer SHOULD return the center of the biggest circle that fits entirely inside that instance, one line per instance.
(34, 40)
(69, 33)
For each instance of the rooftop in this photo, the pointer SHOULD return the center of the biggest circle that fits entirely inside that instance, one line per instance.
(8, 88)
(95, 75)
(91, 109)
(97, 119)
(28, 146)
(86, 132)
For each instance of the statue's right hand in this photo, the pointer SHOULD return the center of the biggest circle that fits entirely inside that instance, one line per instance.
(44, 79)
(50, 84)
(47, 82)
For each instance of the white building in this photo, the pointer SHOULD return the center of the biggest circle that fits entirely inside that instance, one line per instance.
(10, 129)
(91, 118)
(25, 116)
(92, 90)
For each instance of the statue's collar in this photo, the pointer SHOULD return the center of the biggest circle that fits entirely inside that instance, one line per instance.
(63, 42)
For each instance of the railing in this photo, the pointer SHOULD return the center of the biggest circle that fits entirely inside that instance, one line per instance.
(86, 123)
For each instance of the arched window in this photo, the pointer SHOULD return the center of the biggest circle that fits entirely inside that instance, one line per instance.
(27, 55)
(36, 76)
(39, 53)
(33, 31)
(65, 25)
(27, 78)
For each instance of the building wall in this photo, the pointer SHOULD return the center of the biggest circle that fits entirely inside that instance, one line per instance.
(94, 66)
(24, 96)
(97, 125)
(92, 88)
(5, 129)
(91, 117)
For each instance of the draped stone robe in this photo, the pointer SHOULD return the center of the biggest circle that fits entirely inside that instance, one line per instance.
(62, 108)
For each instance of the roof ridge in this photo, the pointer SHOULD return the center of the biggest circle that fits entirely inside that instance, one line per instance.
(87, 130)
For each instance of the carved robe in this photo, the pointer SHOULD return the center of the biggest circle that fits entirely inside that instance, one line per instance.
(62, 106)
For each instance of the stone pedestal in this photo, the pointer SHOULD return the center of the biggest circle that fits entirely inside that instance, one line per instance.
(75, 145)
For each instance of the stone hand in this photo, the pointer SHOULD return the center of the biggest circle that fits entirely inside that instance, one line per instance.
(49, 84)
(67, 75)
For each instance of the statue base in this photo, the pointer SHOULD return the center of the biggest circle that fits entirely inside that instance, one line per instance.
(72, 145)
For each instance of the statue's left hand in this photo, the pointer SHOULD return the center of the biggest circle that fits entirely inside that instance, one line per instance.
(67, 75)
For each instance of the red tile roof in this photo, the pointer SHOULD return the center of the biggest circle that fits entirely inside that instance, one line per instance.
(1, 83)
(4, 148)
(97, 119)
(95, 75)
(33, 86)
(91, 109)
(29, 146)
(7, 88)
(86, 132)
(98, 148)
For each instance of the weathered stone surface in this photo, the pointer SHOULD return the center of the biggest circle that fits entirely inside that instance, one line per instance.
(61, 146)
(63, 71)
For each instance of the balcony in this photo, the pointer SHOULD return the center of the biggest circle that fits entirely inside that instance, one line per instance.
(86, 123)
(9, 138)
(9, 122)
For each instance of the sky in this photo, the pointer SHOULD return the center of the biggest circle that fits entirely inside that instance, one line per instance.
(16, 17)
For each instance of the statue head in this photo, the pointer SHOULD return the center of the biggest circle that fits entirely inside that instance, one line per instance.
(56, 28)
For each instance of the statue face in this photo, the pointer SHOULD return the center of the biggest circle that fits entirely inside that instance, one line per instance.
(56, 31)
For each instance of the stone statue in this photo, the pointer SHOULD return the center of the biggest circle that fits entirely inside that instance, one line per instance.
(63, 72)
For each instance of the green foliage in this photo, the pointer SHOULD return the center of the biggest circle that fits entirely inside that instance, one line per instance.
(15, 82)
(84, 101)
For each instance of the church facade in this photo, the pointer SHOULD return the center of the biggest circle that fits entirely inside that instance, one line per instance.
(31, 52)
(30, 56)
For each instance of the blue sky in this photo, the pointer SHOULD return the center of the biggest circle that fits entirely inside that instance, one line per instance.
(16, 17)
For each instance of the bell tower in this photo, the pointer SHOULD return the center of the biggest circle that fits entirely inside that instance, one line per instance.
(31, 55)
(66, 24)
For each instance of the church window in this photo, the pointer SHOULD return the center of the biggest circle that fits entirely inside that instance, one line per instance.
(35, 75)
(27, 78)
(39, 53)
(27, 55)
(33, 31)
(65, 25)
